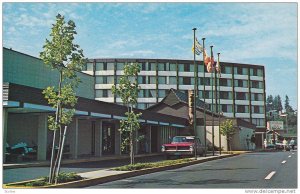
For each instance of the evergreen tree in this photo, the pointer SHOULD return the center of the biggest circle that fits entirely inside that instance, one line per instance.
(287, 106)
(279, 103)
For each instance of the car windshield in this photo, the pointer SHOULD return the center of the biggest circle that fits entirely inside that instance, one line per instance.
(182, 139)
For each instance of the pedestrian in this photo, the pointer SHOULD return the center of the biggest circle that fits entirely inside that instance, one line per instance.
(284, 142)
(247, 141)
(265, 144)
(253, 141)
(292, 143)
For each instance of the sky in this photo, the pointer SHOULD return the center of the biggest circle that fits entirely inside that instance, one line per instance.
(246, 33)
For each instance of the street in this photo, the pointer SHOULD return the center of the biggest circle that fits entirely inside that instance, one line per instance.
(253, 170)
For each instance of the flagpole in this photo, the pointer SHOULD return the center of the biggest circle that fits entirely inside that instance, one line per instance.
(212, 101)
(203, 39)
(195, 88)
(220, 145)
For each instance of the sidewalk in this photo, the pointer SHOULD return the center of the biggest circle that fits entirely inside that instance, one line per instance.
(74, 161)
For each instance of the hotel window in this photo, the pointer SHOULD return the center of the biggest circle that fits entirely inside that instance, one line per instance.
(241, 96)
(152, 80)
(162, 93)
(225, 69)
(152, 66)
(242, 108)
(257, 84)
(120, 66)
(258, 122)
(163, 67)
(200, 68)
(172, 67)
(181, 67)
(241, 83)
(225, 95)
(227, 108)
(240, 71)
(147, 93)
(172, 80)
(207, 81)
(104, 79)
(206, 95)
(256, 97)
(141, 106)
(142, 79)
(187, 67)
(256, 72)
(102, 93)
(89, 67)
(100, 66)
(225, 82)
(186, 81)
(142, 66)
(258, 109)
(110, 66)
(162, 80)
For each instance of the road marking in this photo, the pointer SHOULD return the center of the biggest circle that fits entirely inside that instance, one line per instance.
(270, 175)
(284, 161)
(290, 156)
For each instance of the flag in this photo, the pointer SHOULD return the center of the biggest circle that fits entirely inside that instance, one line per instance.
(199, 48)
(209, 62)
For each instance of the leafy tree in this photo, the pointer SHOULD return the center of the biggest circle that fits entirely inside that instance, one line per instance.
(287, 106)
(227, 130)
(66, 58)
(128, 91)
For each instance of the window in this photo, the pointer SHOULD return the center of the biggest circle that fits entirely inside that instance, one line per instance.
(109, 66)
(152, 80)
(225, 95)
(120, 66)
(241, 96)
(180, 67)
(256, 97)
(242, 109)
(240, 70)
(104, 79)
(142, 66)
(225, 82)
(141, 105)
(258, 109)
(257, 84)
(256, 72)
(89, 67)
(206, 95)
(227, 108)
(258, 122)
(226, 69)
(172, 80)
(163, 67)
(173, 67)
(100, 66)
(152, 66)
(103, 94)
(147, 93)
(207, 81)
(142, 80)
(162, 80)
(186, 81)
(200, 68)
(241, 83)
(162, 93)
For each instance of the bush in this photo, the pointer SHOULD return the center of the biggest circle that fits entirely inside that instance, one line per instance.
(63, 177)
(139, 166)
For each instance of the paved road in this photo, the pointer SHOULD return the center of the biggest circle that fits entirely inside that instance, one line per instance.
(21, 174)
(244, 171)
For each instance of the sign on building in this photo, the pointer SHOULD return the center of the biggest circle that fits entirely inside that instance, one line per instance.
(275, 125)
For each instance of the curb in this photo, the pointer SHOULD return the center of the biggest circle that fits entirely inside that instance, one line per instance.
(110, 178)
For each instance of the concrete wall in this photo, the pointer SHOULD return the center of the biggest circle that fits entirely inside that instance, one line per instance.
(84, 137)
(201, 135)
(30, 71)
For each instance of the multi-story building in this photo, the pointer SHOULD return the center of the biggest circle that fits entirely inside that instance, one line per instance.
(241, 88)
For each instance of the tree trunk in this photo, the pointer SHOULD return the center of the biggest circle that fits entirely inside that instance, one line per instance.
(60, 154)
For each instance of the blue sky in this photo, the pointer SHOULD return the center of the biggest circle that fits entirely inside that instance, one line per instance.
(255, 33)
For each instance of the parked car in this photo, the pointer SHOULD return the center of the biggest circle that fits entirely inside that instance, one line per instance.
(279, 146)
(183, 146)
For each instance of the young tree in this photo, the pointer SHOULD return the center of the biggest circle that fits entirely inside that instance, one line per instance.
(227, 130)
(128, 91)
(66, 58)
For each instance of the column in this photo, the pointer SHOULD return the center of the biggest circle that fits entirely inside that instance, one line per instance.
(150, 139)
(100, 137)
(117, 138)
(4, 133)
(42, 137)
(75, 152)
